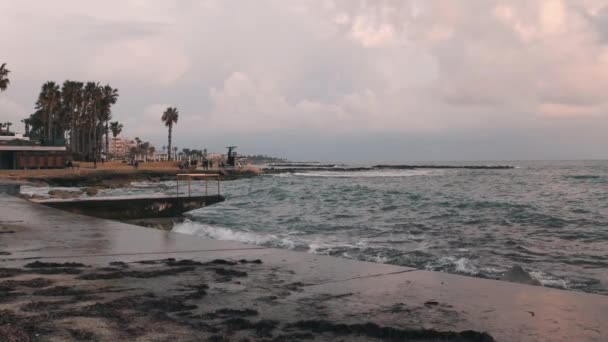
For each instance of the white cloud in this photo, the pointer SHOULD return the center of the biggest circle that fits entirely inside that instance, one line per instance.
(326, 66)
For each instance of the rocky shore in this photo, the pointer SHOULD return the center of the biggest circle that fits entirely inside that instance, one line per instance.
(180, 299)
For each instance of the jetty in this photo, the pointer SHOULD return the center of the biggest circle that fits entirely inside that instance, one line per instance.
(144, 207)
(296, 167)
(68, 276)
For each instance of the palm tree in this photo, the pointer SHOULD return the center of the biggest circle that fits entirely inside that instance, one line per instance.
(169, 118)
(48, 101)
(71, 97)
(4, 81)
(116, 128)
(109, 98)
(27, 122)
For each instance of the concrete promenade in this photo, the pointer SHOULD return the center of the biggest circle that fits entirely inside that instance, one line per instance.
(278, 291)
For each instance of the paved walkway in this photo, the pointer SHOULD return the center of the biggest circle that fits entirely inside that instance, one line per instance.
(337, 290)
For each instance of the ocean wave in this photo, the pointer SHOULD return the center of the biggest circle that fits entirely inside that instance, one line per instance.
(222, 233)
(582, 177)
(366, 174)
(548, 280)
(454, 264)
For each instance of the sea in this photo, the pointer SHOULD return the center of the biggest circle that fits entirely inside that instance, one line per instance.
(549, 217)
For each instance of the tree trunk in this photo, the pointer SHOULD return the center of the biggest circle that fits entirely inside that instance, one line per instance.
(49, 125)
(107, 139)
(95, 143)
(72, 133)
(169, 153)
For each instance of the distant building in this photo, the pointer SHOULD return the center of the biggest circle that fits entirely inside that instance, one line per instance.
(160, 156)
(120, 147)
(18, 152)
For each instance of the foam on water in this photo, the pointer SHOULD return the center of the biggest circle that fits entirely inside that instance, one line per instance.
(222, 233)
(367, 174)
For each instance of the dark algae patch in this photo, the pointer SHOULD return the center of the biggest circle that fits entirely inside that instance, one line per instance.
(262, 328)
(34, 283)
(9, 272)
(229, 273)
(82, 335)
(373, 330)
(40, 264)
(178, 300)
(61, 291)
(136, 274)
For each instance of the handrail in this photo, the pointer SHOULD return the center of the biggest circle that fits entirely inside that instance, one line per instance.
(190, 176)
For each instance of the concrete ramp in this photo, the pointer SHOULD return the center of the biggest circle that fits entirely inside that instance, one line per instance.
(131, 208)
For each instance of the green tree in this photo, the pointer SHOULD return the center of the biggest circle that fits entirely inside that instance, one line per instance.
(71, 98)
(116, 128)
(4, 81)
(48, 102)
(109, 97)
(169, 118)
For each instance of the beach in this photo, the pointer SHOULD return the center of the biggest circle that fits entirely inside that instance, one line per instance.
(67, 276)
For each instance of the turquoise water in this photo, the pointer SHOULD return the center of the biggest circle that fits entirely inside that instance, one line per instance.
(551, 218)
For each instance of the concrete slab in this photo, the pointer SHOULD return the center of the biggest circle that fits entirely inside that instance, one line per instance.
(47, 232)
(511, 312)
(291, 286)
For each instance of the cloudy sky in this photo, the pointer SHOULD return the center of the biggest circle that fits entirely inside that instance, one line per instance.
(347, 80)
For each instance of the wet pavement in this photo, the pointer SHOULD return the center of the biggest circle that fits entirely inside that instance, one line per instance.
(104, 280)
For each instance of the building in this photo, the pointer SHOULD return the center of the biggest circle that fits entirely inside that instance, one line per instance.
(17, 152)
(160, 156)
(120, 147)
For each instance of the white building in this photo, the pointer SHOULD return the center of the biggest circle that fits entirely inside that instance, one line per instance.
(120, 147)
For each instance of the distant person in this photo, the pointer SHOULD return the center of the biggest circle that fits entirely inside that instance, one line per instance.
(136, 164)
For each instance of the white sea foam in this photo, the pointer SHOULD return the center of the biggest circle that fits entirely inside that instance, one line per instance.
(366, 174)
(221, 233)
(548, 280)
(464, 265)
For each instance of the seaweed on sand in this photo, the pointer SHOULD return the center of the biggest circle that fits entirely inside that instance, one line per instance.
(373, 330)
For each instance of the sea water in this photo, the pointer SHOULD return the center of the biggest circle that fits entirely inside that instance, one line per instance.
(551, 218)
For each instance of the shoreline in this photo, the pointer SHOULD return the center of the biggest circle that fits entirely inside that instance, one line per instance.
(143, 283)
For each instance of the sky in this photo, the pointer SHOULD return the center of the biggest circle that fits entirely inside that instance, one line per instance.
(341, 80)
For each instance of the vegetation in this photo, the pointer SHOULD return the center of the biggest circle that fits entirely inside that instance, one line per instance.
(77, 112)
(169, 118)
(4, 81)
(116, 129)
(141, 149)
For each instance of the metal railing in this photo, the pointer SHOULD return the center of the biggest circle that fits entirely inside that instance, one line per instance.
(191, 176)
